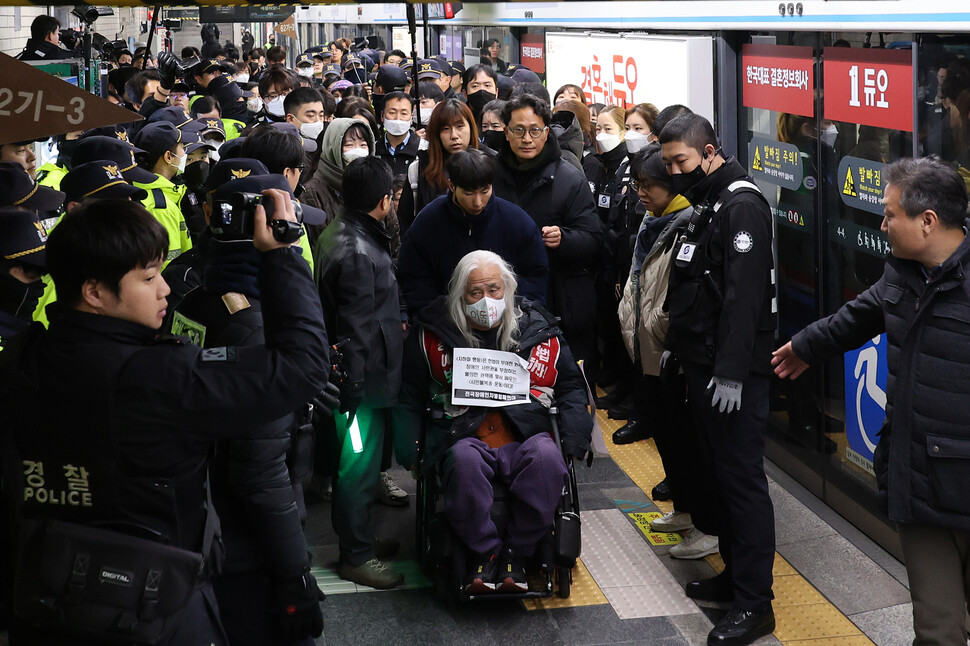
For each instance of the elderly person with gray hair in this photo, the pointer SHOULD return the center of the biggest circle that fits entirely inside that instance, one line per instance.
(479, 446)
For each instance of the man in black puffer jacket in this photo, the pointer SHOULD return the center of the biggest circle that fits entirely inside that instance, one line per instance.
(922, 303)
(531, 173)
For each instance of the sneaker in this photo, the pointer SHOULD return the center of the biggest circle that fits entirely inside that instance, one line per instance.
(373, 573)
(672, 521)
(511, 572)
(696, 544)
(481, 579)
(742, 627)
(390, 494)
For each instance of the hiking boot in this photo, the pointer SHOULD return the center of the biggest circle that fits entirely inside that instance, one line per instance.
(696, 545)
(373, 573)
(511, 572)
(390, 494)
(672, 521)
(481, 579)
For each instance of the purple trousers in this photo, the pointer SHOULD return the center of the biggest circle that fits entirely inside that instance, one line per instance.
(535, 474)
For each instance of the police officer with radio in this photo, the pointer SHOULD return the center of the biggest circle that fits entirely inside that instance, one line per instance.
(108, 488)
(721, 304)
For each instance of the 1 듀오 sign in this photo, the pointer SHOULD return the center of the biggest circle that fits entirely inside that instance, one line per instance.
(871, 87)
(779, 78)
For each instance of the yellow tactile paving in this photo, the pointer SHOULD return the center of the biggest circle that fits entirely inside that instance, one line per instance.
(582, 592)
(802, 614)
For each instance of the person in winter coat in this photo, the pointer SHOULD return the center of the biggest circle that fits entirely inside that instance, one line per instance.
(451, 129)
(355, 276)
(343, 141)
(578, 144)
(466, 218)
(921, 303)
(532, 173)
(480, 445)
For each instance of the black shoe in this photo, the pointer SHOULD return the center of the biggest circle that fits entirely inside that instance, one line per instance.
(614, 398)
(740, 627)
(718, 588)
(631, 432)
(661, 491)
(511, 572)
(481, 579)
(623, 410)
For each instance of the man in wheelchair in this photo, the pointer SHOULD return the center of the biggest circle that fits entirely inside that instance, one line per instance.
(478, 446)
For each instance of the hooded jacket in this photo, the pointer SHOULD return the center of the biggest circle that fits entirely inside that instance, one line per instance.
(565, 126)
(443, 234)
(323, 189)
(552, 370)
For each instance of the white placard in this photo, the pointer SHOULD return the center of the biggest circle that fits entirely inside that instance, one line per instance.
(489, 378)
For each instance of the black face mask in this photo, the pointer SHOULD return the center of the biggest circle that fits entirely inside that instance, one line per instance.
(494, 139)
(684, 182)
(477, 100)
(196, 173)
(65, 150)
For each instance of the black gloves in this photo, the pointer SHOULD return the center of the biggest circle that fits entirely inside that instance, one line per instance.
(328, 399)
(169, 67)
(298, 607)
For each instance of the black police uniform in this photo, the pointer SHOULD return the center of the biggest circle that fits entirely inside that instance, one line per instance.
(258, 497)
(721, 304)
(136, 415)
(43, 51)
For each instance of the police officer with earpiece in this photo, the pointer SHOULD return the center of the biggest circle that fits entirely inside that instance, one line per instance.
(721, 304)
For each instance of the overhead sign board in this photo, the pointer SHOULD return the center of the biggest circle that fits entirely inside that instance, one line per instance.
(36, 105)
(871, 87)
(779, 78)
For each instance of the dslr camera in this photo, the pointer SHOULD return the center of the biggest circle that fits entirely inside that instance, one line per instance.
(235, 218)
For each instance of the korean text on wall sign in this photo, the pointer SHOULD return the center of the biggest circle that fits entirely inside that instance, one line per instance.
(779, 78)
(872, 87)
(614, 85)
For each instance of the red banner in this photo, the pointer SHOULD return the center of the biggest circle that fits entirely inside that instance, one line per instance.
(533, 52)
(872, 87)
(779, 78)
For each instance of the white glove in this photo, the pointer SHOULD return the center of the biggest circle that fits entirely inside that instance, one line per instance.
(727, 394)
(664, 358)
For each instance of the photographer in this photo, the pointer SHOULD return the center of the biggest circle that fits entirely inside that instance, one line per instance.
(44, 41)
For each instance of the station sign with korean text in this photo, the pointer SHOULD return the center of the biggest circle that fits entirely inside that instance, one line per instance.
(779, 78)
(36, 105)
(533, 52)
(871, 87)
(776, 162)
(860, 184)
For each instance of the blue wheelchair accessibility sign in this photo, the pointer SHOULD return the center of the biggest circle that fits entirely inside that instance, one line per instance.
(866, 374)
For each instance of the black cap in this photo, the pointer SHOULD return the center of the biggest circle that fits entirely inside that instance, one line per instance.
(323, 54)
(309, 145)
(230, 170)
(525, 75)
(206, 65)
(118, 131)
(175, 115)
(230, 149)
(211, 126)
(391, 78)
(505, 87)
(258, 184)
(351, 59)
(180, 86)
(372, 57)
(445, 67)
(226, 91)
(429, 68)
(99, 179)
(120, 152)
(304, 59)
(510, 68)
(457, 67)
(18, 189)
(331, 68)
(23, 237)
(156, 138)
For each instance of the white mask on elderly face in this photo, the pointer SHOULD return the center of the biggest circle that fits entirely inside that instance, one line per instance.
(485, 312)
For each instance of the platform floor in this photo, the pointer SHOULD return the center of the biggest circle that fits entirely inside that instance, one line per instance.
(832, 585)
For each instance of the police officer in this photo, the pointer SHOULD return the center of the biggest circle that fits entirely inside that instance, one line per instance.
(257, 482)
(44, 42)
(22, 260)
(721, 304)
(121, 460)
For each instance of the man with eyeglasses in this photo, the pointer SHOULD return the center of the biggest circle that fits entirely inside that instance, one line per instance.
(531, 173)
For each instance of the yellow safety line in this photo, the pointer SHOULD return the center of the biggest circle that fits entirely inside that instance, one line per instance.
(802, 613)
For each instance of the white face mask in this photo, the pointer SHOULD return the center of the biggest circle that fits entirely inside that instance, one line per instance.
(354, 153)
(311, 130)
(242, 78)
(635, 141)
(305, 71)
(486, 312)
(254, 104)
(275, 106)
(829, 135)
(425, 115)
(181, 165)
(216, 145)
(396, 127)
(607, 142)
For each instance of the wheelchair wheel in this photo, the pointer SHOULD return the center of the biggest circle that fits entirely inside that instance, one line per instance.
(564, 574)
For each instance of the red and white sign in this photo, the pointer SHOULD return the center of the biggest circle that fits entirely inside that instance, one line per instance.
(533, 52)
(779, 78)
(871, 87)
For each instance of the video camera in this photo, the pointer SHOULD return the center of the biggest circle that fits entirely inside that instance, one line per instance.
(235, 217)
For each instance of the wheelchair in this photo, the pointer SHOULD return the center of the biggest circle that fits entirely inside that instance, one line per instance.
(444, 557)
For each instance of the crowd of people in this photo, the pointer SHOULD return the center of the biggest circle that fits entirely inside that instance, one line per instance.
(318, 241)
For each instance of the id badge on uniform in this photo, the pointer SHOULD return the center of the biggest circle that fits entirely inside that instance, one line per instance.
(686, 253)
(604, 201)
